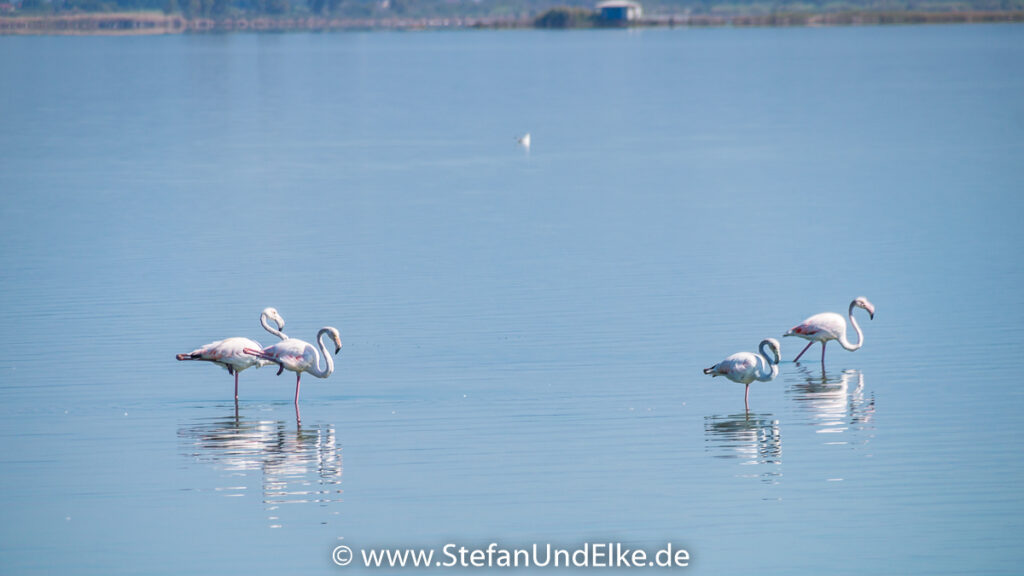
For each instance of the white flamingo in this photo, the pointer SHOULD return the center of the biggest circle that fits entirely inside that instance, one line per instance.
(300, 356)
(831, 326)
(229, 353)
(745, 367)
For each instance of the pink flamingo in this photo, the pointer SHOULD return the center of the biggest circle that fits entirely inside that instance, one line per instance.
(229, 353)
(831, 326)
(745, 367)
(299, 356)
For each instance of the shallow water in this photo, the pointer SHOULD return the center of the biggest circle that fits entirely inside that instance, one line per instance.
(524, 330)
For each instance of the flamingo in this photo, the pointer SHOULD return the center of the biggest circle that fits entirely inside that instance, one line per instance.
(745, 367)
(229, 353)
(831, 326)
(300, 356)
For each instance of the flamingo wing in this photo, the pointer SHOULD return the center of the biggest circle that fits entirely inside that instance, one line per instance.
(228, 353)
(739, 367)
(824, 326)
(292, 354)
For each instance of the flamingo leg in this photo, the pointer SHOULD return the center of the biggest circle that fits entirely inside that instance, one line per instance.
(298, 376)
(746, 398)
(236, 387)
(804, 350)
(823, 342)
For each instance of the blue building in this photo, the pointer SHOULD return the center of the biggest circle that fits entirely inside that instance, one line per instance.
(619, 11)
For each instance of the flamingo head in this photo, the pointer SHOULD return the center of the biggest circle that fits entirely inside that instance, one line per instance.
(335, 337)
(862, 302)
(272, 314)
(775, 348)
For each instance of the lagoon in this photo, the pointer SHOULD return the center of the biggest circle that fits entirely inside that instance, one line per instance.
(524, 330)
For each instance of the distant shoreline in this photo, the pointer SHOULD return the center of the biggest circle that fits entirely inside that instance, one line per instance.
(155, 23)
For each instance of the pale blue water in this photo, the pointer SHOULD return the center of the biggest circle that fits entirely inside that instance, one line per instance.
(524, 331)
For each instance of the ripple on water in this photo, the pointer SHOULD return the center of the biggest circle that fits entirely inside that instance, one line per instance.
(834, 403)
(753, 439)
(294, 464)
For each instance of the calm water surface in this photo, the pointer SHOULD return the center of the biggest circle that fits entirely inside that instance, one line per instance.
(524, 330)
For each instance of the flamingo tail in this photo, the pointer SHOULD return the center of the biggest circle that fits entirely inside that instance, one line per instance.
(191, 356)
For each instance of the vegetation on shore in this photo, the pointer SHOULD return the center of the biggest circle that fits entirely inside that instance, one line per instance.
(566, 17)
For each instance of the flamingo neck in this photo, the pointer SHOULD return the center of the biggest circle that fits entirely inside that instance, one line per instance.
(316, 370)
(767, 367)
(266, 326)
(766, 370)
(856, 327)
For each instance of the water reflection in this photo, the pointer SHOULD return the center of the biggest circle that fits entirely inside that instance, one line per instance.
(753, 439)
(295, 464)
(834, 402)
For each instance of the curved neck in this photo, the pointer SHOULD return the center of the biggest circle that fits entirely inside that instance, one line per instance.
(766, 370)
(767, 366)
(860, 335)
(316, 370)
(266, 326)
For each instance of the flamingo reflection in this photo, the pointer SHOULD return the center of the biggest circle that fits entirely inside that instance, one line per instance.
(295, 465)
(753, 439)
(835, 402)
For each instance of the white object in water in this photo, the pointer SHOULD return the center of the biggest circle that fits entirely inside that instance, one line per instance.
(299, 356)
(745, 367)
(831, 326)
(228, 353)
(524, 140)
